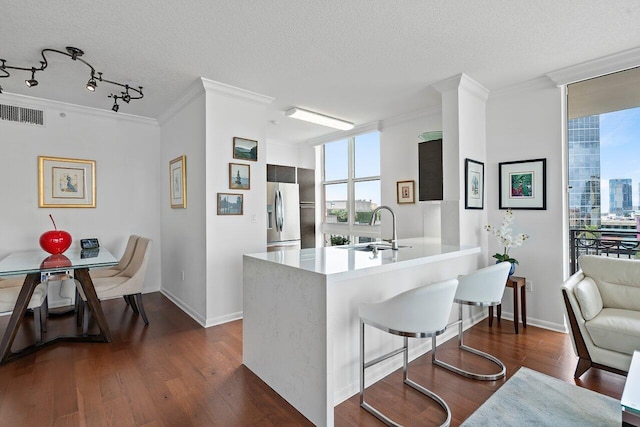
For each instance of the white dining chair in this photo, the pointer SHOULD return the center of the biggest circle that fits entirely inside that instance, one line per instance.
(483, 288)
(122, 263)
(127, 284)
(418, 313)
(9, 292)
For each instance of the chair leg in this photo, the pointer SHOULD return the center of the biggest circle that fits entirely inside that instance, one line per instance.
(464, 373)
(133, 305)
(582, 367)
(405, 368)
(44, 313)
(37, 322)
(141, 308)
(85, 319)
(126, 299)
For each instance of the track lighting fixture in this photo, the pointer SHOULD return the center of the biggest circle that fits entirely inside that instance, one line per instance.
(32, 81)
(95, 76)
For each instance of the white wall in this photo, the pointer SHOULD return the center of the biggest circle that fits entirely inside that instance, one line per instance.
(399, 162)
(183, 230)
(128, 178)
(232, 112)
(290, 154)
(525, 122)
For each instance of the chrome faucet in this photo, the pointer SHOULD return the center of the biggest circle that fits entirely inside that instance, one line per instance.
(394, 240)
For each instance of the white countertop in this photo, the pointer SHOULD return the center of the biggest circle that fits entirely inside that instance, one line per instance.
(342, 261)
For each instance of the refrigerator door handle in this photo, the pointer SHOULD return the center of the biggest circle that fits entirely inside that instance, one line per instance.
(279, 213)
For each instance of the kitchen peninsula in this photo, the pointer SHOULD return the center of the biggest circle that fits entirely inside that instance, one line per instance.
(301, 325)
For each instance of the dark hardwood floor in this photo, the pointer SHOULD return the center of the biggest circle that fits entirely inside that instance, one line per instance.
(176, 373)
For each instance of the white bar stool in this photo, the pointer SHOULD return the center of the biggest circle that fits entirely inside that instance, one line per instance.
(483, 288)
(418, 313)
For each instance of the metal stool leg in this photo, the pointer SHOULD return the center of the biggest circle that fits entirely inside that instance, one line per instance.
(405, 368)
(465, 373)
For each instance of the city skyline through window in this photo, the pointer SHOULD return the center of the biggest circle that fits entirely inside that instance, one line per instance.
(604, 173)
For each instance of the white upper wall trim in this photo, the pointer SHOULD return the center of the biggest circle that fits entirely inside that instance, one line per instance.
(396, 120)
(597, 67)
(211, 85)
(47, 104)
(195, 90)
(335, 136)
(539, 83)
(464, 81)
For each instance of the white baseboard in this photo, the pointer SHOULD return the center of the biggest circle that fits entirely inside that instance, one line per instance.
(204, 322)
(557, 327)
(184, 307)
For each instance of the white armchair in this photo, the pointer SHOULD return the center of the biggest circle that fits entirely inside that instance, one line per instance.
(602, 302)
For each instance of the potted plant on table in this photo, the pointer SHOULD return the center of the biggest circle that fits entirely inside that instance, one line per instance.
(506, 240)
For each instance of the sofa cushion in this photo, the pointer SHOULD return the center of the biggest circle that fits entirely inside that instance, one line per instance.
(618, 280)
(588, 297)
(616, 329)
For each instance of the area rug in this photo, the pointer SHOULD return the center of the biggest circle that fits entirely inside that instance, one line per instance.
(530, 398)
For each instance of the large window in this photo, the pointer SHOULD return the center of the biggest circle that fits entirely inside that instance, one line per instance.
(351, 183)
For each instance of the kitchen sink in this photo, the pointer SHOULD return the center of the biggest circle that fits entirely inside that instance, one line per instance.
(370, 246)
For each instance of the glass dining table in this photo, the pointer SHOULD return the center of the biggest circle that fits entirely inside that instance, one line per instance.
(40, 267)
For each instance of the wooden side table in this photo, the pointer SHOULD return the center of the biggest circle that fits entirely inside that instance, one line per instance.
(515, 283)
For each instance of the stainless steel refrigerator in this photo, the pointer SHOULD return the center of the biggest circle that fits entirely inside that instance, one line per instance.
(283, 216)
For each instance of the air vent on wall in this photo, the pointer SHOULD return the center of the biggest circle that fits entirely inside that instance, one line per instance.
(30, 116)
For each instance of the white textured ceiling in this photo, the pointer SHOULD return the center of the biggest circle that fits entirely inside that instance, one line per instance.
(359, 60)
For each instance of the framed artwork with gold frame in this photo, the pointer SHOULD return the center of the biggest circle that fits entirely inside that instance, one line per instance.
(178, 182)
(66, 183)
(405, 191)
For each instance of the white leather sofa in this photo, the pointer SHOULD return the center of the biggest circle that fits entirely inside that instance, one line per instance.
(602, 301)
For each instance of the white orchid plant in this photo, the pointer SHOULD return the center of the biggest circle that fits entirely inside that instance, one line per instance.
(506, 240)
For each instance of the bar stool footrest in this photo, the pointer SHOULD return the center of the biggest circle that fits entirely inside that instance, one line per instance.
(474, 375)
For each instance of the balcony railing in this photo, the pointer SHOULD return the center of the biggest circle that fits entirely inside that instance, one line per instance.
(606, 242)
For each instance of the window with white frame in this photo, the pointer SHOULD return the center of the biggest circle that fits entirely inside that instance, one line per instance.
(351, 183)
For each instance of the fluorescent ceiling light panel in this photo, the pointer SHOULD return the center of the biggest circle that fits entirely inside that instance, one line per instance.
(320, 119)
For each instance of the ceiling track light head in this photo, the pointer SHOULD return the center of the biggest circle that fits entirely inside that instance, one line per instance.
(32, 81)
(75, 54)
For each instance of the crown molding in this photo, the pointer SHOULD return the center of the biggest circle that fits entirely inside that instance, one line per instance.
(539, 83)
(334, 136)
(462, 81)
(235, 92)
(598, 67)
(194, 91)
(47, 104)
(418, 114)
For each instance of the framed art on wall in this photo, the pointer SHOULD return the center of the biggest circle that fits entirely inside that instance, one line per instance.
(405, 192)
(523, 184)
(66, 183)
(473, 184)
(178, 184)
(239, 176)
(245, 149)
(230, 204)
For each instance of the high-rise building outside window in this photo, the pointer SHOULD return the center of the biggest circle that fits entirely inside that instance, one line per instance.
(620, 197)
(584, 172)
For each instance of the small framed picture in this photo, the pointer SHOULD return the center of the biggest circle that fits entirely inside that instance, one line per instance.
(474, 184)
(239, 176)
(230, 204)
(178, 182)
(66, 183)
(245, 149)
(406, 191)
(523, 184)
